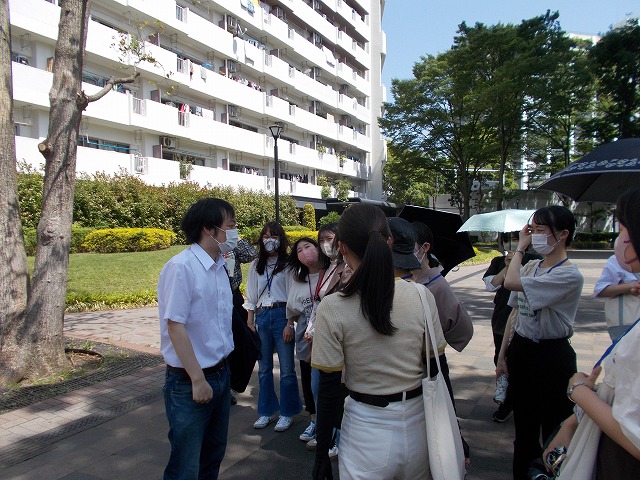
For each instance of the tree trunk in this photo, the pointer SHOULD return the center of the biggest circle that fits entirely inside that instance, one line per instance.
(45, 310)
(14, 272)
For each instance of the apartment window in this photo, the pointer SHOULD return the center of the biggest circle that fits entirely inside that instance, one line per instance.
(19, 59)
(101, 144)
(181, 13)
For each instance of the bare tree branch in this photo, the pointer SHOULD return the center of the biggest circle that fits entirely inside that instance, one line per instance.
(107, 88)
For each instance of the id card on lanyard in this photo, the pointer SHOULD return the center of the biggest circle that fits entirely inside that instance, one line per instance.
(267, 301)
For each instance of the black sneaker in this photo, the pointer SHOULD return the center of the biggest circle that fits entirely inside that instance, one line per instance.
(502, 415)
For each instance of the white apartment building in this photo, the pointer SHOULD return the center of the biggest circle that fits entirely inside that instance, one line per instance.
(235, 67)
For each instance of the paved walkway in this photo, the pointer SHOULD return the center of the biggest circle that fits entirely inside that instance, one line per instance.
(117, 428)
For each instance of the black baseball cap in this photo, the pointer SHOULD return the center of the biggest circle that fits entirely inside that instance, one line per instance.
(404, 242)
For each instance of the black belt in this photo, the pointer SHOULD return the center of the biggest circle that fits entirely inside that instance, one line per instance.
(216, 368)
(273, 305)
(384, 400)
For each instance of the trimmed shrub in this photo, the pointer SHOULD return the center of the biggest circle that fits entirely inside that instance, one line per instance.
(587, 245)
(331, 217)
(30, 182)
(609, 237)
(295, 228)
(308, 217)
(78, 235)
(295, 236)
(114, 240)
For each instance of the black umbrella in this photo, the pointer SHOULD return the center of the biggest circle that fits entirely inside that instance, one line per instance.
(451, 247)
(602, 175)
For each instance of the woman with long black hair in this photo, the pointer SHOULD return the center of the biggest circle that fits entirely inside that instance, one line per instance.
(373, 330)
(267, 290)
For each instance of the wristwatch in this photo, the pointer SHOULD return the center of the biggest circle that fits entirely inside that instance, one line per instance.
(291, 325)
(573, 387)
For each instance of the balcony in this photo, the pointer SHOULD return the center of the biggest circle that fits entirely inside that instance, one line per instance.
(46, 24)
(351, 16)
(314, 19)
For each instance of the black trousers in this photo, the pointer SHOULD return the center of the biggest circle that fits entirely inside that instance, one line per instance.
(307, 393)
(538, 376)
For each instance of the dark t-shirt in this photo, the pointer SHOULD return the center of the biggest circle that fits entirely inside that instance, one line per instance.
(501, 310)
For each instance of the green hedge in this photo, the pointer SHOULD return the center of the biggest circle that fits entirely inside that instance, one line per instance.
(113, 240)
(78, 235)
(293, 234)
(578, 245)
(609, 237)
(124, 201)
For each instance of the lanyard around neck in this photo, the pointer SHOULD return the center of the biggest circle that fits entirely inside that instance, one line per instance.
(612, 346)
(270, 278)
(432, 280)
(549, 271)
(315, 298)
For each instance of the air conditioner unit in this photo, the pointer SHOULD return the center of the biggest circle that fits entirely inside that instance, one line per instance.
(140, 165)
(233, 111)
(168, 142)
(317, 72)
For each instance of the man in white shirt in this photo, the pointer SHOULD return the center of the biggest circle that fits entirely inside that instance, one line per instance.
(195, 304)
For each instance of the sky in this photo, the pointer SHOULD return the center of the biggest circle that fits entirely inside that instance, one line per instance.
(415, 28)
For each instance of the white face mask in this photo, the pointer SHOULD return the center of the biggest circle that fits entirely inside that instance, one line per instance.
(230, 243)
(420, 258)
(328, 250)
(540, 245)
(271, 244)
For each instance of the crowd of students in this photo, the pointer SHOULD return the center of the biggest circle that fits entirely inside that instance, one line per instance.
(344, 306)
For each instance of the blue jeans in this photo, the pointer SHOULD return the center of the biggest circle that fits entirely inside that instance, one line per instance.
(271, 323)
(197, 431)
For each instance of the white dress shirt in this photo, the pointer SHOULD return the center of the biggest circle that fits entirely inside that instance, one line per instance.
(194, 290)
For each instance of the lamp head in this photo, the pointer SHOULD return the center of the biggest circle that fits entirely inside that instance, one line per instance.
(276, 130)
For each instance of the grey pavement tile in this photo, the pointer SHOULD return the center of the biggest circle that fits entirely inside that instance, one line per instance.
(48, 472)
(81, 476)
(134, 444)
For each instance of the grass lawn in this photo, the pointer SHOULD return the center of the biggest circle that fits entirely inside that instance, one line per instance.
(99, 281)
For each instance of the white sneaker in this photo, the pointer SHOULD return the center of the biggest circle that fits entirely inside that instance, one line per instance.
(309, 433)
(501, 389)
(263, 422)
(333, 452)
(312, 444)
(283, 424)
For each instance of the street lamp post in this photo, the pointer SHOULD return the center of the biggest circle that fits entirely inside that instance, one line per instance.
(276, 130)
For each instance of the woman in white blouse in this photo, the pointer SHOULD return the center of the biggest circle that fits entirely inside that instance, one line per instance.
(267, 290)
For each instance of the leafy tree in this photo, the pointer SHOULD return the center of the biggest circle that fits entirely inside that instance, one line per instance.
(560, 100)
(438, 122)
(410, 180)
(615, 61)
